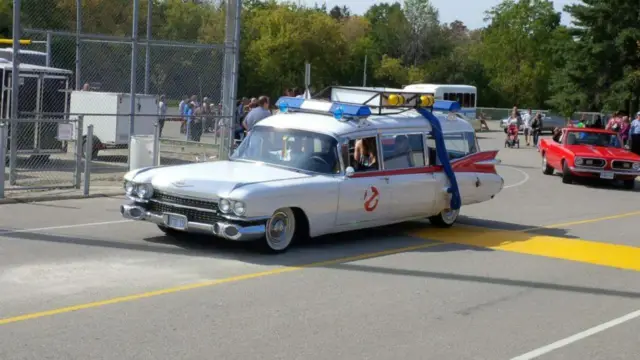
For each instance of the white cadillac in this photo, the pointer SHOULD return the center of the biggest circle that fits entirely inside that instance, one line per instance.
(321, 167)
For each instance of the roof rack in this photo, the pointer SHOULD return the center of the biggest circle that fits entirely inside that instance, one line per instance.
(346, 102)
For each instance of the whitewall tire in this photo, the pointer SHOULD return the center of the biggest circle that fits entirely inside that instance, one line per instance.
(446, 218)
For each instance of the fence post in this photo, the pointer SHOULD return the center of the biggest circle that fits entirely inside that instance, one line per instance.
(156, 145)
(15, 89)
(48, 45)
(88, 151)
(79, 150)
(3, 155)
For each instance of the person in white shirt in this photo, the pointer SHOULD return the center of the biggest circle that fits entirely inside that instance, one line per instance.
(162, 114)
(526, 126)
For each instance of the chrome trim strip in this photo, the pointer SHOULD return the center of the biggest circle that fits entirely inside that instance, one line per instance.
(596, 171)
(490, 162)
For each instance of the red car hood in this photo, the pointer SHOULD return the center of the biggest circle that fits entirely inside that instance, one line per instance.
(602, 152)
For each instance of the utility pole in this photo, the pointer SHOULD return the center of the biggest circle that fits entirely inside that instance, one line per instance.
(364, 73)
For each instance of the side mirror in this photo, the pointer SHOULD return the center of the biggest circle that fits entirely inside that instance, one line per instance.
(349, 171)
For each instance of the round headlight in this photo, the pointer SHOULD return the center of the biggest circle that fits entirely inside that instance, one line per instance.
(225, 205)
(578, 161)
(129, 187)
(144, 191)
(636, 166)
(239, 208)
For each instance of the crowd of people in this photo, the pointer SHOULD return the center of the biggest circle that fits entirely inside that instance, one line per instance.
(619, 121)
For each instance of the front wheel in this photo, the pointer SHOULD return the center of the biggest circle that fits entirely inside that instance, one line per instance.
(629, 184)
(446, 218)
(567, 177)
(280, 232)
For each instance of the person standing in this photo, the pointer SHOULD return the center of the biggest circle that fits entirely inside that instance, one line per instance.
(536, 128)
(162, 114)
(634, 134)
(258, 113)
(526, 126)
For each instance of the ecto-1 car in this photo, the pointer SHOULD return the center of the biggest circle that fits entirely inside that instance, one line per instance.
(325, 166)
(589, 154)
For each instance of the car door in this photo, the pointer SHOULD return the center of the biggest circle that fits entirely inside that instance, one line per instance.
(412, 182)
(364, 198)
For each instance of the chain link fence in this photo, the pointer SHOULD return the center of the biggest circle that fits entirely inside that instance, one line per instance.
(76, 68)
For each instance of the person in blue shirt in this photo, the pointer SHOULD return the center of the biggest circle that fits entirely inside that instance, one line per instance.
(634, 134)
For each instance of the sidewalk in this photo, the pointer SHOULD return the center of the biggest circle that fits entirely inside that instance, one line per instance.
(20, 196)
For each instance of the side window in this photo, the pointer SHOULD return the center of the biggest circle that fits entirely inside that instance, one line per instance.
(402, 151)
(466, 102)
(363, 154)
(458, 145)
(473, 100)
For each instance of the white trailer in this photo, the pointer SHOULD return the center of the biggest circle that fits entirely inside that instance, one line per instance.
(109, 113)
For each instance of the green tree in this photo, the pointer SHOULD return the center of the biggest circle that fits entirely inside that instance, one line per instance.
(516, 49)
(601, 69)
(423, 30)
(6, 18)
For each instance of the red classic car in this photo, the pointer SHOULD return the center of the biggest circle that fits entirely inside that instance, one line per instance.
(589, 153)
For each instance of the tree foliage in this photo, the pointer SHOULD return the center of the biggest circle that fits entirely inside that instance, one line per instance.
(522, 57)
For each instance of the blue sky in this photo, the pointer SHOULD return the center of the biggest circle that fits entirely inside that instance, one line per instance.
(450, 10)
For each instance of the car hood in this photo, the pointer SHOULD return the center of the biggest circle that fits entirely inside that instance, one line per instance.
(212, 179)
(603, 152)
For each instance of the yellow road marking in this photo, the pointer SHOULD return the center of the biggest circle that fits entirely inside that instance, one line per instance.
(580, 222)
(210, 283)
(591, 252)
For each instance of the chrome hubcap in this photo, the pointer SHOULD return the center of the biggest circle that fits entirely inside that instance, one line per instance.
(280, 230)
(449, 216)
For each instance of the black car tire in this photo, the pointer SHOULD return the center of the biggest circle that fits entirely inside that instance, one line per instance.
(567, 177)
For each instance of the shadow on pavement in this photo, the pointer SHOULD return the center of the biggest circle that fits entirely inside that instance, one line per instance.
(486, 280)
(390, 239)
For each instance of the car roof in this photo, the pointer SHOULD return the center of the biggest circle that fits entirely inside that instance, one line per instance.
(408, 120)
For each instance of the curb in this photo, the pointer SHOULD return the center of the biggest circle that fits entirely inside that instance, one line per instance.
(31, 199)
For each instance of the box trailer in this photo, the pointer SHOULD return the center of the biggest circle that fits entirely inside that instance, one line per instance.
(109, 113)
(42, 94)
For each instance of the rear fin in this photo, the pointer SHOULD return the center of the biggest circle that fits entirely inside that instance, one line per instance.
(482, 162)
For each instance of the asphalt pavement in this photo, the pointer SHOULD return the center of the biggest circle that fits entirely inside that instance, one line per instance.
(544, 270)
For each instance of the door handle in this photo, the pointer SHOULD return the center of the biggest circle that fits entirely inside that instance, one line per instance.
(386, 179)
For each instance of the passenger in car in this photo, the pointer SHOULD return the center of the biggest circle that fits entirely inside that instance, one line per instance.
(366, 158)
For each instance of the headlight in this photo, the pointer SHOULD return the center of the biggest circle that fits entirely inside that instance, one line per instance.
(578, 161)
(636, 166)
(144, 191)
(129, 187)
(225, 206)
(239, 208)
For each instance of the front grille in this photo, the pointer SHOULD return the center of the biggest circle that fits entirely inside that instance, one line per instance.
(622, 165)
(192, 215)
(172, 199)
(593, 162)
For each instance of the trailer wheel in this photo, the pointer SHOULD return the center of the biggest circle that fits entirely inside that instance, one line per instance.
(96, 147)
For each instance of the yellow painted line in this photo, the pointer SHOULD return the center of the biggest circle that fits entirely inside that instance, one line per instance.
(591, 252)
(210, 283)
(581, 222)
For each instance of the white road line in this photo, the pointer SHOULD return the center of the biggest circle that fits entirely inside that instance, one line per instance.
(521, 182)
(63, 227)
(577, 337)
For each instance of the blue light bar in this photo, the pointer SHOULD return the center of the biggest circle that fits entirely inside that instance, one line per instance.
(446, 105)
(351, 110)
(333, 108)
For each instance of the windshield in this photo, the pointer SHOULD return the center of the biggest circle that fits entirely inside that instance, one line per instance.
(592, 138)
(296, 149)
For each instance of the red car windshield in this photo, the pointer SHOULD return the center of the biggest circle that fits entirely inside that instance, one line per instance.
(592, 138)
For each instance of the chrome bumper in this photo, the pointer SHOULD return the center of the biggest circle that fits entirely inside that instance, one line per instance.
(226, 230)
(600, 171)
